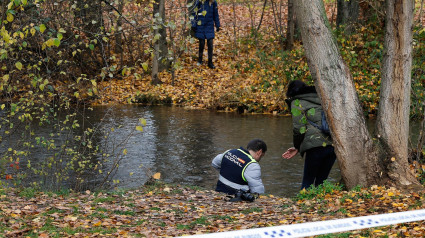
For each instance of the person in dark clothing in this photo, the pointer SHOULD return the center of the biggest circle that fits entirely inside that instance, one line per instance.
(205, 16)
(240, 170)
(317, 146)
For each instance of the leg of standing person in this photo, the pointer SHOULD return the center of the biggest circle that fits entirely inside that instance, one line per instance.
(201, 50)
(210, 43)
(311, 168)
(327, 161)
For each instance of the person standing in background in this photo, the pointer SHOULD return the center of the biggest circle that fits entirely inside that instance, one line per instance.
(204, 19)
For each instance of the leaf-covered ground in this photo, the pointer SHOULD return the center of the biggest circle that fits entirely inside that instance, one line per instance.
(171, 210)
(235, 82)
(247, 76)
(253, 72)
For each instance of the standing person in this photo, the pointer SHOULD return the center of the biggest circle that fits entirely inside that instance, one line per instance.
(240, 170)
(317, 146)
(205, 16)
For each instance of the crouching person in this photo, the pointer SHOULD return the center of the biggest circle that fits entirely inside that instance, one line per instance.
(240, 172)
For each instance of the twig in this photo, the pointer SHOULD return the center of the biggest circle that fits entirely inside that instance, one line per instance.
(262, 15)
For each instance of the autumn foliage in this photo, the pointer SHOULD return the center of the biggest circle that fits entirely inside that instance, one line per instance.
(163, 210)
(54, 58)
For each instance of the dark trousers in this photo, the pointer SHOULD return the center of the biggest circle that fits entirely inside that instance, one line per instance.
(210, 50)
(317, 165)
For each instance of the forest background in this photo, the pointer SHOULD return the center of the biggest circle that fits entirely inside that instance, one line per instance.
(58, 55)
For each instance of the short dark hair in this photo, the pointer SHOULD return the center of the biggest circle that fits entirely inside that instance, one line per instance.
(294, 88)
(256, 145)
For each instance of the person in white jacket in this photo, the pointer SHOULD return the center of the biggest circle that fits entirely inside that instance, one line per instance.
(240, 170)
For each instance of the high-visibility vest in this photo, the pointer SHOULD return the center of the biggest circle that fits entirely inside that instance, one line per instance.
(233, 165)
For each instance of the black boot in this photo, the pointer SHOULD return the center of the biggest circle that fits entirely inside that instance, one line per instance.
(210, 53)
(201, 50)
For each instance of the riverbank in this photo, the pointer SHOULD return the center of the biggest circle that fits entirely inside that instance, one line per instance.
(253, 70)
(165, 210)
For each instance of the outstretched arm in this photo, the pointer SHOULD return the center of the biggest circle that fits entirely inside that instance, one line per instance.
(291, 152)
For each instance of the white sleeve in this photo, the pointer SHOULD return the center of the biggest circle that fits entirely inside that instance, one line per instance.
(216, 163)
(252, 175)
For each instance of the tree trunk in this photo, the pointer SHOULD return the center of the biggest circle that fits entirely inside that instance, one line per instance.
(278, 19)
(89, 17)
(358, 158)
(118, 35)
(89, 21)
(394, 106)
(190, 4)
(290, 29)
(235, 35)
(159, 15)
(348, 14)
(262, 15)
(160, 50)
(372, 9)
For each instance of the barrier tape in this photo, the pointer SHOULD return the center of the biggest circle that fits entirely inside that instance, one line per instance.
(322, 227)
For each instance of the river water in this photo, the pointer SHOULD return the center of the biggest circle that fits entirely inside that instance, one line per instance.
(180, 144)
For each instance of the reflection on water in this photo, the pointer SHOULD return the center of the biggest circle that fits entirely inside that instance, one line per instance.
(180, 144)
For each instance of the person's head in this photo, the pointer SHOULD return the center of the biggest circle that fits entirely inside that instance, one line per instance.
(257, 148)
(294, 87)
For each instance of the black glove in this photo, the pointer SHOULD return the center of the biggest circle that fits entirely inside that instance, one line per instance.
(218, 29)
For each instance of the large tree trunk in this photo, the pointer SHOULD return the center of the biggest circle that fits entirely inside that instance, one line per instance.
(358, 158)
(394, 105)
(347, 15)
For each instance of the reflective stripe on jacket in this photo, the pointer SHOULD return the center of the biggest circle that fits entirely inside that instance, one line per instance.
(233, 165)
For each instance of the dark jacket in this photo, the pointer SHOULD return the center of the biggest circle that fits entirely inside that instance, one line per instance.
(204, 19)
(304, 100)
(238, 171)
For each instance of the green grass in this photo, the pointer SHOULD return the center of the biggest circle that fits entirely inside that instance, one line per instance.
(140, 222)
(73, 231)
(251, 210)
(48, 226)
(101, 209)
(28, 192)
(182, 227)
(201, 221)
(53, 210)
(128, 213)
(98, 215)
(103, 200)
(63, 192)
(341, 235)
(319, 191)
(225, 218)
